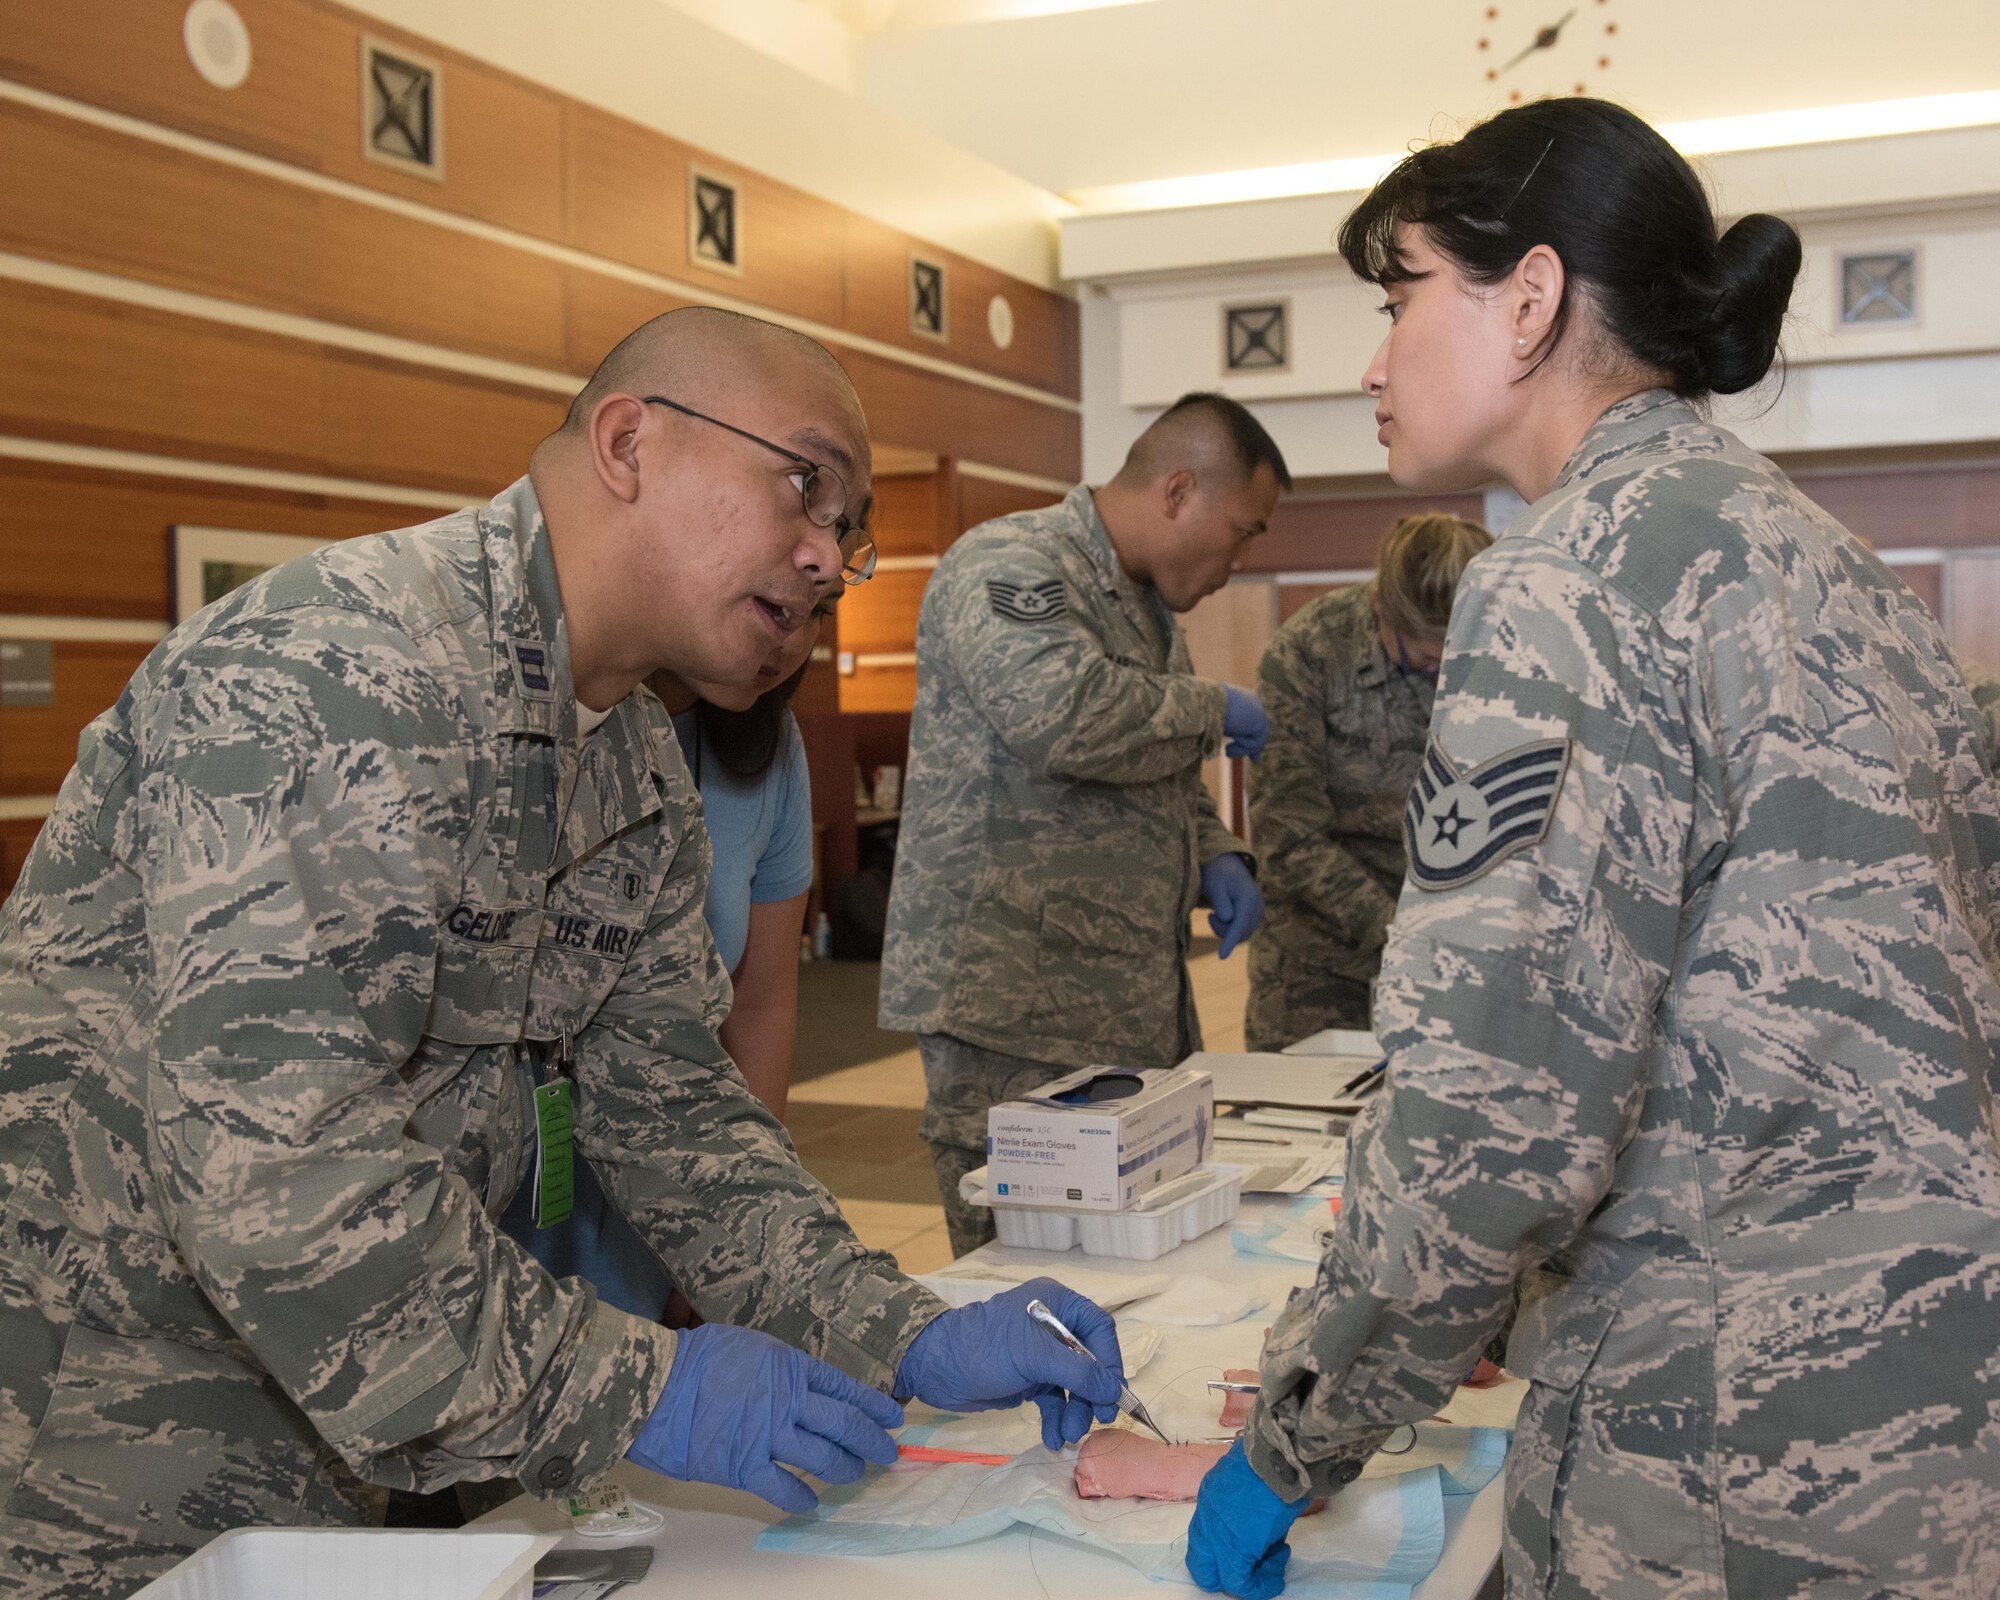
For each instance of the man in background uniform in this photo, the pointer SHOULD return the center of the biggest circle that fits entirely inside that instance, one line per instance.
(377, 864)
(1056, 834)
(1347, 684)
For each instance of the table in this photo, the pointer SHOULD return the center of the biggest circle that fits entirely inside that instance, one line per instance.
(706, 1546)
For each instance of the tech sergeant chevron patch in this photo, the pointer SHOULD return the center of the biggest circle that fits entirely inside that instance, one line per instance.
(1461, 825)
(1027, 602)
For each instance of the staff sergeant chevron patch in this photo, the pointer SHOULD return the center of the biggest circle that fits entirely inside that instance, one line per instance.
(1458, 826)
(1027, 602)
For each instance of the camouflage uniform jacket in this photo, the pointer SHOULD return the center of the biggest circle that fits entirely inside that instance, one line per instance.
(1054, 820)
(1691, 1006)
(1985, 689)
(1326, 810)
(326, 887)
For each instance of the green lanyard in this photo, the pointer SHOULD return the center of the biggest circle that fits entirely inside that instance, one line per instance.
(555, 1154)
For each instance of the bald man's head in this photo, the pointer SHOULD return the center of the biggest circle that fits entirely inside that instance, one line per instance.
(698, 536)
(692, 353)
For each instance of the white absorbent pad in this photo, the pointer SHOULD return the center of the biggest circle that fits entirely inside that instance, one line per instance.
(1375, 1539)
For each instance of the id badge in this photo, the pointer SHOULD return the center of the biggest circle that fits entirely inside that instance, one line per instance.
(555, 1156)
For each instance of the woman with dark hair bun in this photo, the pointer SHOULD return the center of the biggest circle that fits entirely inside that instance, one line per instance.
(1692, 998)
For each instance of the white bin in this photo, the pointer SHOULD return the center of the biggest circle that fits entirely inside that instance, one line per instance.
(357, 1564)
(1172, 1214)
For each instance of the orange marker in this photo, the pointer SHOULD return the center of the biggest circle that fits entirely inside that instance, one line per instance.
(926, 1452)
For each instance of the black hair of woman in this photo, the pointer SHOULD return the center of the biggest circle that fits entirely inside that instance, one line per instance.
(1627, 216)
(747, 742)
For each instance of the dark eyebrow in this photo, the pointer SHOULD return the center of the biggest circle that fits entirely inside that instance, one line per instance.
(810, 439)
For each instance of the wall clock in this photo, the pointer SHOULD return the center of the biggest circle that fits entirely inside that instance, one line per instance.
(1526, 50)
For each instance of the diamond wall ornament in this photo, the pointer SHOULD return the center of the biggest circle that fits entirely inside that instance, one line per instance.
(927, 298)
(1880, 287)
(715, 234)
(402, 110)
(1256, 338)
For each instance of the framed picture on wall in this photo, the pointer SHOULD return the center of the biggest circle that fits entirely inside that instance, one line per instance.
(209, 562)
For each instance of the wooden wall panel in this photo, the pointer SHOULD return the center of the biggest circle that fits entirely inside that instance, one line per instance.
(881, 614)
(931, 412)
(87, 197)
(83, 370)
(1952, 507)
(528, 159)
(40, 741)
(1045, 351)
(16, 835)
(1338, 535)
(879, 688)
(302, 101)
(910, 517)
(75, 542)
(981, 500)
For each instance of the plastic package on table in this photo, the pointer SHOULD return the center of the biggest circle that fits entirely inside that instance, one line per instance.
(357, 1564)
(1169, 1217)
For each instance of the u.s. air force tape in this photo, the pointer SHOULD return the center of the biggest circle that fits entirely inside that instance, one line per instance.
(1460, 825)
(1027, 602)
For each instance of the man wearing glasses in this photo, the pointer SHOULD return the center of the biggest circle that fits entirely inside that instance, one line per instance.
(378, 894)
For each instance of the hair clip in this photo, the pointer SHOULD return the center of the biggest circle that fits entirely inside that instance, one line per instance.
(1530, 178)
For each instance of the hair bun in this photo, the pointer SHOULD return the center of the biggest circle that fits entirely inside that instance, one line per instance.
(1756, 262)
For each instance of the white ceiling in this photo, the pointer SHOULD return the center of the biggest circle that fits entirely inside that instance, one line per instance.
(1074, 96)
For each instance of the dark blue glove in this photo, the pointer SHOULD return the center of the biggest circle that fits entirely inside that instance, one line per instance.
(992, 1354)
(740, 1407)
(1236, 1542)
(1244, 725)
(1236, 903)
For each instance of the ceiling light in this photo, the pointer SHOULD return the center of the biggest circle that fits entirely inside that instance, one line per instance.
(1764, 130)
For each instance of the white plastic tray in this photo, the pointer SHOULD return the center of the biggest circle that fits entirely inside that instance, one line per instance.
(1182, 1209)
(357, 1564)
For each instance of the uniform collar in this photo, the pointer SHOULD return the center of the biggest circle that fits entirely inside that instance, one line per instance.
(1088, 532)
(619, 776)
(1629, 425)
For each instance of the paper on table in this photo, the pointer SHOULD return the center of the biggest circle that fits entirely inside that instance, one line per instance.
(1248, 1078)
(1278, 1169)
(1198, 1302)
(1358, 1043)
(964, 1282)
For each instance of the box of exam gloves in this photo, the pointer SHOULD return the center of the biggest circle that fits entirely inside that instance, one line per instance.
(1099, 1139)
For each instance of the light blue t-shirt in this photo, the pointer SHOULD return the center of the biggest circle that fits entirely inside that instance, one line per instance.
(759, 832)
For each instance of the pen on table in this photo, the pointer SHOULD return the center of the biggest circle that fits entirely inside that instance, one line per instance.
(1363, 1081)
(1128, 1402)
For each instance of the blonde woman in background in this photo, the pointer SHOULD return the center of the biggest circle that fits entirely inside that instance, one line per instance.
(1348, 684)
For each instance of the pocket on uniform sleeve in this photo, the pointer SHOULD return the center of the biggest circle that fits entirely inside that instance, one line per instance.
(1554, 1345)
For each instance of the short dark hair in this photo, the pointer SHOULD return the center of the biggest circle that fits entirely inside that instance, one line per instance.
(747, 742)
(1249, 446)
(1626, 214)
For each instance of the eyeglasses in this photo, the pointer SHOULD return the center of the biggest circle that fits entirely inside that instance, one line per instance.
(822, 493)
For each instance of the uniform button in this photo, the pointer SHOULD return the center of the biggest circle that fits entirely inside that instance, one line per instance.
(556, 1473)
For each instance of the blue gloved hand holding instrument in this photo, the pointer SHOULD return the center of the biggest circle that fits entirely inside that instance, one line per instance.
(740, 1408)
(995, 1353)
(1236, 1542)
(1236, 904)
(1244, 725)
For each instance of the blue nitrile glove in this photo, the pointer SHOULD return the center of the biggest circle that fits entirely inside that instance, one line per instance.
(1236, 1542)
(740, 1407)
(1244, 725)
(993, 1354)
(1236, 903)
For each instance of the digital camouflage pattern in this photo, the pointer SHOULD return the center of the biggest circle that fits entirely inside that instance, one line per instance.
(1326, 810)
(1985, 689)
(1054, 820)
(1708, 1070)
(325, 890)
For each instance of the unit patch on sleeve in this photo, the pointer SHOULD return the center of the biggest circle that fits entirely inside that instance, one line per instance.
(1027, 602)
(1461, 825)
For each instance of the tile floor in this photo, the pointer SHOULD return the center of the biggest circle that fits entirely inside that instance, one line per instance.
(856, 1128)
